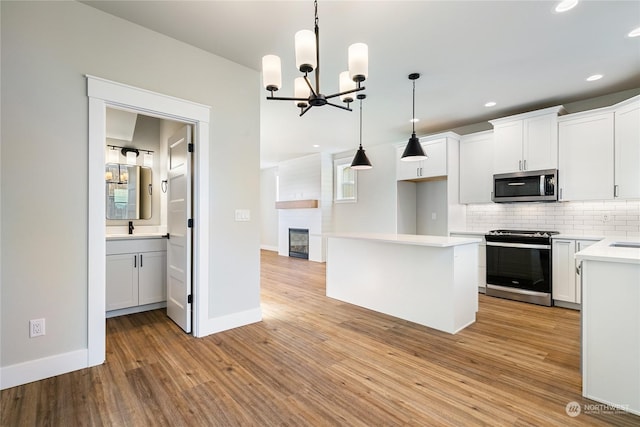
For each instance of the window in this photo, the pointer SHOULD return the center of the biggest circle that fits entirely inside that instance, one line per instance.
(345, 180)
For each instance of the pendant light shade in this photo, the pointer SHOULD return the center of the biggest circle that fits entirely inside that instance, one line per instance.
(301, 90)
(358, 62)
(360, 160)
(413, 151)
(346, 84)
(305, 44)
(271, 72)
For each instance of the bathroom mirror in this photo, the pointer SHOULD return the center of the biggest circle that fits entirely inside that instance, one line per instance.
(129, 191)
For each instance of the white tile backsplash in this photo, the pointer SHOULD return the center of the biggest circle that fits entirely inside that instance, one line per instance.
(614, 218)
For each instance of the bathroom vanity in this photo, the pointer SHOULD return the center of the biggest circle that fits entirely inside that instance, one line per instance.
(136, 273)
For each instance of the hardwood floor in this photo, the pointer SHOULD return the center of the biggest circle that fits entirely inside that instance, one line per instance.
(314, 361)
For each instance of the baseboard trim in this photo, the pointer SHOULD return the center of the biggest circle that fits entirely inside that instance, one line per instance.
(40, 369)
(231, 321)
(269, 248)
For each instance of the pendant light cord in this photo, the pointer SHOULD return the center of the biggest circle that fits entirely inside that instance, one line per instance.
(315, 7)
(413, 118)
(361, 124)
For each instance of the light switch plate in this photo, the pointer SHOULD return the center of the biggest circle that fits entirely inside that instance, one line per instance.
(243, 215)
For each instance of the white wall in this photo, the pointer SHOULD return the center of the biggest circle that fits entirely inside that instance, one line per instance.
(375, 210)
(268, 211)
(47, 48)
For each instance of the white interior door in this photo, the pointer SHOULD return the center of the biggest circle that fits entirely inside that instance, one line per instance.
(178, 216)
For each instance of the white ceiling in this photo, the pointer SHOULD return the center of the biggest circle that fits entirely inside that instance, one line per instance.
(520, 54)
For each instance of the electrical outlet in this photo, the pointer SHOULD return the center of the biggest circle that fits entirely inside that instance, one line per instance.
(606, 218)
(36, 328)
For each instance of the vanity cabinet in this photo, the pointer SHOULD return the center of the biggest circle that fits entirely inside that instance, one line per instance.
(135, 273)
(566, 271)
(435, 164)
(476, 167)
(526, 142)
(586, 156)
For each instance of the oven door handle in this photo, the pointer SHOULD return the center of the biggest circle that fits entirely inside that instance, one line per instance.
(518, 245)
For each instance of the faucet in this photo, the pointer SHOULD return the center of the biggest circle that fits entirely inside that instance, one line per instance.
(131, 227)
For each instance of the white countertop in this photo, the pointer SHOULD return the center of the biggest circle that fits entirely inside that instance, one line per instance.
(576, 237)
(135, 236)
(408, 239)
(603, 251)
(470, 233)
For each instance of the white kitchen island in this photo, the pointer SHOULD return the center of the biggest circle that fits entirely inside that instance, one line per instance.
(610, 273)
(429, 280)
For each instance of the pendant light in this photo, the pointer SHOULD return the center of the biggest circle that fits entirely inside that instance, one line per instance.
(413, 151)
(360, 160)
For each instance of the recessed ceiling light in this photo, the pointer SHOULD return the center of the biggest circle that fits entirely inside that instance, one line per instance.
(634, 33)
(414, 120)
(594, 77)
(316, 146)
(490, 104)
(565, 5)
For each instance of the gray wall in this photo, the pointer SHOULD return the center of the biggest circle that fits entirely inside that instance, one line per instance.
(47, 48)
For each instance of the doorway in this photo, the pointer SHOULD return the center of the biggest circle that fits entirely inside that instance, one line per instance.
(102, 94)
(159, 272)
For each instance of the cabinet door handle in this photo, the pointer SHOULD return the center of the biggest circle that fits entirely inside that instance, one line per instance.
(140, 260)
(524, 164)
(560, 195)
(519, 165)
(135, 261)
(615, 190)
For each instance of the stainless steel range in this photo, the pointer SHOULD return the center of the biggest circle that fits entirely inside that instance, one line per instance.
(519, 265)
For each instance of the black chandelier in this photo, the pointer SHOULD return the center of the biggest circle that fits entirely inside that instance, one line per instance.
(307, 47)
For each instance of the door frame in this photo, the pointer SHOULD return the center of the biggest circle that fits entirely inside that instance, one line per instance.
(104, 93)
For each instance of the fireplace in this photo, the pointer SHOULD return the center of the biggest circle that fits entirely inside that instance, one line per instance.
(299, 243)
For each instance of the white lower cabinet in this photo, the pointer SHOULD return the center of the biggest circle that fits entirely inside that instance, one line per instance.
(482, 258)
(566, 272)
(135, 273)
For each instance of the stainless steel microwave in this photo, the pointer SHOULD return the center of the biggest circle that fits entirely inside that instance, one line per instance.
(529, 186)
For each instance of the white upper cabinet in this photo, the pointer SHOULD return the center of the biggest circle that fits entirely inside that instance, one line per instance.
(585, 169)
(627, 149)
(476, 167)
(435, 164)
(526, 142)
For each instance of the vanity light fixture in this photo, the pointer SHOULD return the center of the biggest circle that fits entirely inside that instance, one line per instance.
(307, 48)
(113, 155)
(147, 159)
(360, 160)
(413, 150)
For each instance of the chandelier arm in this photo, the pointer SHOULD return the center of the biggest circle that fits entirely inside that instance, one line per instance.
(281, 98)
(345, 92)
(313, 92)
(339, 106)
(305, 110)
